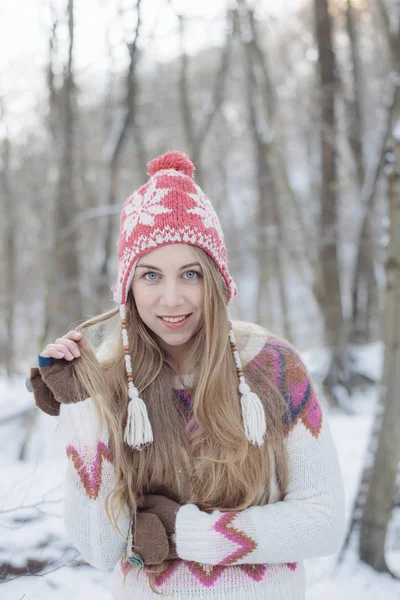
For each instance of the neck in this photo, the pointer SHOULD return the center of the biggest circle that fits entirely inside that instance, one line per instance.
(175, 354)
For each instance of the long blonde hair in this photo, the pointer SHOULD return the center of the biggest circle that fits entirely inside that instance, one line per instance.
(220, 468)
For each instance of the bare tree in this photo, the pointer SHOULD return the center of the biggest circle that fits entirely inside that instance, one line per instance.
(380, 497)
(365, 302)
(270, 249)
(374, 518)
(337, 379)
(64, 299)
(123, 122)
(354, 104)
(365, 289)
(196, 136)
(8, 231)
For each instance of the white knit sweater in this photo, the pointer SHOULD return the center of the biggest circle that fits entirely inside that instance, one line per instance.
(254, 554)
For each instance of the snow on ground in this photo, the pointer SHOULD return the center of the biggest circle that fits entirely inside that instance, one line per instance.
(31, 526)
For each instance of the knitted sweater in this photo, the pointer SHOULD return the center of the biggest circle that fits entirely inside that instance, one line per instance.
(253, 554)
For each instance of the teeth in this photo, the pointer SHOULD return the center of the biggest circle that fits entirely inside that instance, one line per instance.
(176, 320)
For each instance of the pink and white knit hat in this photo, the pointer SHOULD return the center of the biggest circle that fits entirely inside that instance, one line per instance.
(169, 209)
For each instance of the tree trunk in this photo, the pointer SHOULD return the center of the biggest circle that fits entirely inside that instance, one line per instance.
(329, 234)
(365, 296)
(270, 247)
(379, 502)
(196, 137)
(112, 152)
(8, 235)
(355, 128)
(365, 301)
(64, 306)
(339, 371)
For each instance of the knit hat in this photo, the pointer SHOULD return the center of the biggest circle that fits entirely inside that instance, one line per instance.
(169, 209)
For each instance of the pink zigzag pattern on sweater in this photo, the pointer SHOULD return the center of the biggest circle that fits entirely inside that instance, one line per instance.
(91, 478)
(246, 544)
(255, 572)
(207, 575)
(163, 578)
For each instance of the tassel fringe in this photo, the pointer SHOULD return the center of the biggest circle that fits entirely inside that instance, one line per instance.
(138, 432)
(253, 414)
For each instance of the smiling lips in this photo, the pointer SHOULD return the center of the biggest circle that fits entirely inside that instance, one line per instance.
(175, 322)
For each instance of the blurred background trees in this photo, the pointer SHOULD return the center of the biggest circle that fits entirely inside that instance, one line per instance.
(290, 121)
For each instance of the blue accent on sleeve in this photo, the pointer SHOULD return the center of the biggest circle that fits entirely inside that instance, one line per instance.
(45, 361)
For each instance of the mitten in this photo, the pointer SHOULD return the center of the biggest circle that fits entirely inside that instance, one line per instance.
(164, 508)
(44, 397)
(61, 378)
(148, 539)
(56, 384)
(152, 534)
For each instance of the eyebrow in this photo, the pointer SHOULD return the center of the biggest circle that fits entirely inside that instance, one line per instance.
(195, 264)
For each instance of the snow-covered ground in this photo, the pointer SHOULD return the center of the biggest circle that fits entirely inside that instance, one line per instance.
(31, 526)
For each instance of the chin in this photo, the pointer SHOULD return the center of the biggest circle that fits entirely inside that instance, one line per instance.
(175, 339)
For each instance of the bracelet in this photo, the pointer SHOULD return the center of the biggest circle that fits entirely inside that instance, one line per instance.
(135, 560)
(45, 361)
(28, 384)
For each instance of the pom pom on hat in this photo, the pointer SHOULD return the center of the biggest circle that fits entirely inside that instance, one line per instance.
(172, 160)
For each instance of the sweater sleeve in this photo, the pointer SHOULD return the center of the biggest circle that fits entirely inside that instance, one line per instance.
(308, 522)
(90, 476)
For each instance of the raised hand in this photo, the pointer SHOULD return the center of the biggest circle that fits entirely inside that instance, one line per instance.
(67, 347)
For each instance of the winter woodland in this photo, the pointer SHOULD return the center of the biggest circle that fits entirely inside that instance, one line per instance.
(291, 114)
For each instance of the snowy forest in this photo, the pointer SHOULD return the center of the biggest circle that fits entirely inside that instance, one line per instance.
(291, 115)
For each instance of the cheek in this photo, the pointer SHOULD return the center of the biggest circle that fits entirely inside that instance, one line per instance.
(144, 298)
(198, 298)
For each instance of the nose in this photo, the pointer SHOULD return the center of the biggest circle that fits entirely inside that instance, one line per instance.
(171, 296)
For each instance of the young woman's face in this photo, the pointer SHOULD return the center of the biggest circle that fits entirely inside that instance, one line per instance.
(168, 289)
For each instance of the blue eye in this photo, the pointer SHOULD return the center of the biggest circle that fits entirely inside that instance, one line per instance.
(145, 276)
(192, 274)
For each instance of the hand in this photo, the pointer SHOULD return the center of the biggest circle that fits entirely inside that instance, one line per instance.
(58, 382)
(65, 347)
(153, 530)
(164, 508)
(149, 539)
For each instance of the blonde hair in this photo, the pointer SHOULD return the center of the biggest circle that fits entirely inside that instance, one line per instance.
(221, 469)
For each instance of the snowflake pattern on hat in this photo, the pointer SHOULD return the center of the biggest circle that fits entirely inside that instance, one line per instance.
(142, 208)
(205, 211)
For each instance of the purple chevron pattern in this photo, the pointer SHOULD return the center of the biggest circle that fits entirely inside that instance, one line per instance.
(290, 376)
(90, 476)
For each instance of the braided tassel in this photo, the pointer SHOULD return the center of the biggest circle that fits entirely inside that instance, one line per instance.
(253, 413)
(138, 432)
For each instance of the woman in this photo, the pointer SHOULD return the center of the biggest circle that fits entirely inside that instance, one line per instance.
(199, 461)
